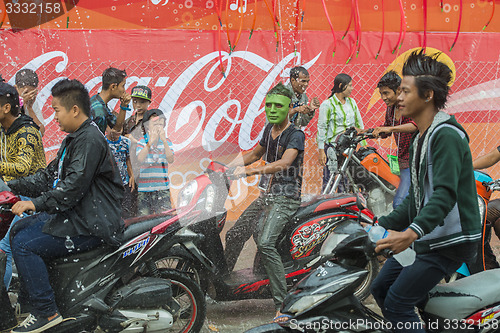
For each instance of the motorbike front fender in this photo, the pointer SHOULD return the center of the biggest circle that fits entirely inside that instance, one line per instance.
(268, 328)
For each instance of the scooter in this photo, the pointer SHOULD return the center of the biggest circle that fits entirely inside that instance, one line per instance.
(298, 244)
(124, 289)
(324, 300)
(363, 170)
(485, 186)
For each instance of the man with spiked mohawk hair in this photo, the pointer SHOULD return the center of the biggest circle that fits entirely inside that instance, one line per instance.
(282, 149)
(440, 216)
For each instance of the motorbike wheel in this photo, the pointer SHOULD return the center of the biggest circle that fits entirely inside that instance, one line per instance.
(182, 263)
(363, 291)
(191, 299)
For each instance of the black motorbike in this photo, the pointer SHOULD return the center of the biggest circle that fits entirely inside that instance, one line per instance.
(324, 300)
(124, 289)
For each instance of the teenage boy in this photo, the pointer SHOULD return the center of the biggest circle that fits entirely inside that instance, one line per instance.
(154, 154)
(27, 87)
(78, 196)
(21, 155)
(134, 130)
(403, 129)
(282, 146)
(113, 86)
(301, 112)
(141, 99)
(120, 148)
(440, 216)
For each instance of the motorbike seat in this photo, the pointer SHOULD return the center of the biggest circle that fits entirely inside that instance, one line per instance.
(324, 202)
(461, 298)
(143, 225)
(82, 256)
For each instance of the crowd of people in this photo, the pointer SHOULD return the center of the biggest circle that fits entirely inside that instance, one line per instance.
(121, 166)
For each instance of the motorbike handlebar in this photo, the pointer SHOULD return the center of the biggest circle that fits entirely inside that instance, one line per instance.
(493, 185)
(388, 253)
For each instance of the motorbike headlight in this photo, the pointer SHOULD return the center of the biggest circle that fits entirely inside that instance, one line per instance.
(187, 193)
(308, 302)
(210, 198)
(482, 208)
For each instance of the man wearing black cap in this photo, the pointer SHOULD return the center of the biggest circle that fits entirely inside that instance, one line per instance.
(154, 154)
(21, 154)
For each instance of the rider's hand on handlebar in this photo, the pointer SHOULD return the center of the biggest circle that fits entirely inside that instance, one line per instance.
(23, 206)
(382, 132)
(239, 172)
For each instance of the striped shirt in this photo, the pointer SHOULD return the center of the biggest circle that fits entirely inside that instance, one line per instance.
(335, 117)
(154, 169)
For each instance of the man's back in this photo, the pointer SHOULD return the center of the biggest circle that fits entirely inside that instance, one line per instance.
(88, 192)
(22, 151)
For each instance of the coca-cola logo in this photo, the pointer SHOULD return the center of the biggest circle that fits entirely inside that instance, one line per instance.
(25, 14)
(198, 126)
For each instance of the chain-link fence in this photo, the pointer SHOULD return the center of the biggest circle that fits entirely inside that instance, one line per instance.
(215, 117)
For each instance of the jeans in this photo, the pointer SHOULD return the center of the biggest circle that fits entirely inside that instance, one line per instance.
(5, 247)
(153, 202)
(31, 247)
(403, 188)
(398, 290)
(265, 218)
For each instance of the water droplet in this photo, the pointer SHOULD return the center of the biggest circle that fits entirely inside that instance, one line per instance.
(69, 244)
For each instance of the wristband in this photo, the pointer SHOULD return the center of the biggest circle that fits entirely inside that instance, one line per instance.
(125, 108)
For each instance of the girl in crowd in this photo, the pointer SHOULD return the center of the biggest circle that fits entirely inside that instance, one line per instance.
(336, 114)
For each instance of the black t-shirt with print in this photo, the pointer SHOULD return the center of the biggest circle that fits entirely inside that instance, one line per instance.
(287, 182)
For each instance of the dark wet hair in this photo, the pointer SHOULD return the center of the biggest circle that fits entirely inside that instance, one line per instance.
(295, 72)
(72, 92)
(430, 74)
(280, 89)
(9, 95)
(391, 80)
(112, 75)
(26, 78)
(340, 83)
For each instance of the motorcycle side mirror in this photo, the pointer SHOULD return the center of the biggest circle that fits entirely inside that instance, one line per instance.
(4, 186)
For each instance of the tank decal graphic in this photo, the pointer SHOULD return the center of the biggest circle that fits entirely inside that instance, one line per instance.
(309, 235)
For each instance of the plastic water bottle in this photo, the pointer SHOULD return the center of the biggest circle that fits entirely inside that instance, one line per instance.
(377, 232)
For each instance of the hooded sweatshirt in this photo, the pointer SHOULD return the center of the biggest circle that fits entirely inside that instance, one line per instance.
(21, 152)
(442, 205)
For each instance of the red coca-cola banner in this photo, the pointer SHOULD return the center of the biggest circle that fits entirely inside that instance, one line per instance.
(214, 100)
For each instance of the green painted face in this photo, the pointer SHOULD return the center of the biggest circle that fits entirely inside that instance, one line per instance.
(277, 107)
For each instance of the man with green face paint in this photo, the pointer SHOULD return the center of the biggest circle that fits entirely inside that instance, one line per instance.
(282, 149)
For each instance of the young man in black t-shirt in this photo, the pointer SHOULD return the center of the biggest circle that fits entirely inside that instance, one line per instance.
(282, 149)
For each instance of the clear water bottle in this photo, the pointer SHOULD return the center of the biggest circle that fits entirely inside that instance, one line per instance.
(377, 232)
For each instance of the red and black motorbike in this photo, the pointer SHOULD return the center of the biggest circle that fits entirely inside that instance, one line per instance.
(298, 244)
(122, 289)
